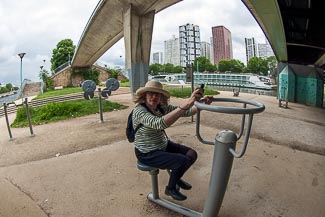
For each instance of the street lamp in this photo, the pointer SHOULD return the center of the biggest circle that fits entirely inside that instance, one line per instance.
(21, 55)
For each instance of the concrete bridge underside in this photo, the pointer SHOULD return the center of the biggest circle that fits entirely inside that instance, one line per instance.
(294, 29)
(110, 21)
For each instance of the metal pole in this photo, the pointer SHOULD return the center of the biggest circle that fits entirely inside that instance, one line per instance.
(197, 65)
(221, 169)
(21, 55)
(21, 72)
(154, 183)
(7, 120)
(192, 85)
(100, 105)
(21, 80)
(28, 117)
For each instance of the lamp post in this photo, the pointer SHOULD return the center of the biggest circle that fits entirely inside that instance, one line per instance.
(21, 55)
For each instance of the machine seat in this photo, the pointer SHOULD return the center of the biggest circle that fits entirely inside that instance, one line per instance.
(145, 167)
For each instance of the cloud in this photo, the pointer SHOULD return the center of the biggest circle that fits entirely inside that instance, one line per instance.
(35, 27)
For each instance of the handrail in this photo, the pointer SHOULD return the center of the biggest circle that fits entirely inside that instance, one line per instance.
(259, 107)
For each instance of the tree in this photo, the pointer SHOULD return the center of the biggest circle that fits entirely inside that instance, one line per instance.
(9, 86)
(204, 64)
(45, 77)
(177, 69)
(211, 68)
(63, 53)
(272, 64)
(113, 73)
(168, 68)
(257, 65)
(231, 66)
(155, 68)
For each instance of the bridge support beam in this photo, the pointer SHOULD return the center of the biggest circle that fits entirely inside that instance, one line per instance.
(137, 38)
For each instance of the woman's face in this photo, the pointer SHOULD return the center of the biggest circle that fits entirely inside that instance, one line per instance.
(152, 99)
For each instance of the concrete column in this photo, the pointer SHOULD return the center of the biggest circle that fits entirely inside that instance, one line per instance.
(137, 38)
(301, 84)
(287, 83)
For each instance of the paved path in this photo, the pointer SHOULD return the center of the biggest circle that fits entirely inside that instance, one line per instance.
(95, 175)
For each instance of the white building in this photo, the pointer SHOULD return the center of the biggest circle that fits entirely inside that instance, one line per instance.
(189, 42)
(251, 50)
(265, 50)
(206, 50)
(171, 47)
(211, 51)
(157, 57)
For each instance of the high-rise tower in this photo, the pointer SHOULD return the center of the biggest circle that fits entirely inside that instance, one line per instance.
(157, 57)
(222, 45)
(206, 49)
(172, 51)
(250, 48)
(189, 41)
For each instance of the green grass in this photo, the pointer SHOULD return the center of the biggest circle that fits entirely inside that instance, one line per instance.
(52, 112)
(61, 111)
(125, 83)
(177, 91)
(64, 91)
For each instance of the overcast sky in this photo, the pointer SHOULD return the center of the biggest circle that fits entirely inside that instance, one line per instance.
(35, 27)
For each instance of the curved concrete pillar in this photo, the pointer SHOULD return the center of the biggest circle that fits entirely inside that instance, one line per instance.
(137, 37)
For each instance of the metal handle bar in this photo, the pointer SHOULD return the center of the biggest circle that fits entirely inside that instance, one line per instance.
(231, 110)
(259, 107)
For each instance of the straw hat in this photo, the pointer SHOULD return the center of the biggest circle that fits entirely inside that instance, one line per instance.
(153, 86)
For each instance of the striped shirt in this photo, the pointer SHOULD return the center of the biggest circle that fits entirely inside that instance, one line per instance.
(150, 136)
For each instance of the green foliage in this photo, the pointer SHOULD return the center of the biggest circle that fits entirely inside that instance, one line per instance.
(168, 68)
(156, 69)
(9, 86)
(177, 69)
(4, 90)
(272, 64)
(257, 65)
(113, 73)
(203, 64)
(235, 66)
(187, 91)
(52, 111)
(61, 111)
(63, 53)
(125, 83)
(90, 74)
(45, 77)
(211, 68)
(64, 91)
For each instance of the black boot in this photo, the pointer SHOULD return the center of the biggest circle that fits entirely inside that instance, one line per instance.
(175, 194)
(184, 185)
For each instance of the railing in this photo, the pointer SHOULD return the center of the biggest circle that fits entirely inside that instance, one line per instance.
(64, 65)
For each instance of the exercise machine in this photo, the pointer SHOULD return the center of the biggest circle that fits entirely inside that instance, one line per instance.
(224, 153)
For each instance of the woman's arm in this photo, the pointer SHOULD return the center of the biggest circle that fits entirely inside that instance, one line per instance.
(174, 115)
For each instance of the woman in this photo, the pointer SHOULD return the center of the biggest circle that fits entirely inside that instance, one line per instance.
(152, 146)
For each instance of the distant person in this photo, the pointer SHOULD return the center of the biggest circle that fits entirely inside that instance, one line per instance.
(152, 146)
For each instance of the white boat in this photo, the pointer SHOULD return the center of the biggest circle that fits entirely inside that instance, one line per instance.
(220, 79)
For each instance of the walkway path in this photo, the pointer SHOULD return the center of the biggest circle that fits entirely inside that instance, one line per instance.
(81, 167)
